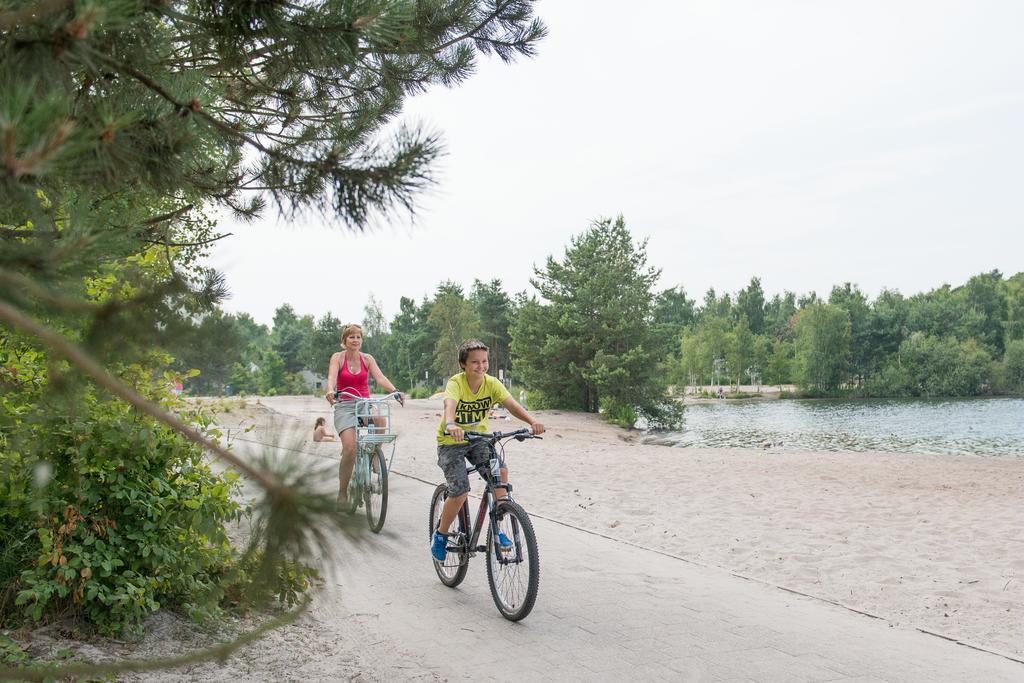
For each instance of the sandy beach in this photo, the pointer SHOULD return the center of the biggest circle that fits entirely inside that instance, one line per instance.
(925, 541)
(920, 542)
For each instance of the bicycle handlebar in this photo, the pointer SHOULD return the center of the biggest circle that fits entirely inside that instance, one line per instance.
(397, 395)
(518, 435)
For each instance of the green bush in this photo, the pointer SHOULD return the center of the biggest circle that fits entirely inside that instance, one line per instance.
(892, 380)
(1013, 365)
(938, 366)
(538, 400)
(618, 413)
(245, 588)
(131, 519)
(12, 654)
(422, 392)
(105, 514)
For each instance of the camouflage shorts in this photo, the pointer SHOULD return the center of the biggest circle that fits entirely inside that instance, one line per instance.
(452, 461)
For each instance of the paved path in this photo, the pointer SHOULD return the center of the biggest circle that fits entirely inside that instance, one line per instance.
(606, 611)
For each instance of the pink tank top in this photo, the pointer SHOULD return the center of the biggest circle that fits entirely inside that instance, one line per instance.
(358, 383)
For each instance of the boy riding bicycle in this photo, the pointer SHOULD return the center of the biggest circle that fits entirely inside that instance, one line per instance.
(468, 398)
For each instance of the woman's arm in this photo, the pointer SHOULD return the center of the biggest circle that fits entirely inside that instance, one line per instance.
(376, 373)
(332, 376)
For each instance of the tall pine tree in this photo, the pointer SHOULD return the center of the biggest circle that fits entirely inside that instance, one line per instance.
(123, 123)
(591, 342)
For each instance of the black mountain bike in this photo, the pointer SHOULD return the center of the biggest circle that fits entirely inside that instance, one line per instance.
(513, 573)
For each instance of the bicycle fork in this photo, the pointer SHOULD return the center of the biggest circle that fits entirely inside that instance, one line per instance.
(501, 554)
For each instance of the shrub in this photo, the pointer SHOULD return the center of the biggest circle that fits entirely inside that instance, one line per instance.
(133, 518)
(744, 394)
(118, 515)
(1013, 365)
(291, 580)
(618, 413)
(944, 366)
(422, 392)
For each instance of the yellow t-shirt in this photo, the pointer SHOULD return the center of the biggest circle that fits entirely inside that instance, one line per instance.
(471, 410)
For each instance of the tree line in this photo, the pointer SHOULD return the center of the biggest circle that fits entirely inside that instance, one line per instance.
(588, 342)
(950, 341)
(599, 336)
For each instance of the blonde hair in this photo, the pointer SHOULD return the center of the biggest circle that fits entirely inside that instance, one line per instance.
(349, 329)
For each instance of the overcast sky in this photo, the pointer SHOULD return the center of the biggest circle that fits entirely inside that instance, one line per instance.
(807, 142)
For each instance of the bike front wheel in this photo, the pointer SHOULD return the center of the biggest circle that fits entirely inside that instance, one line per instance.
(514, 572)
(375, 493)
(453, 570)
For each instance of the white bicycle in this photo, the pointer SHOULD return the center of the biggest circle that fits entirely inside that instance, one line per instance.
(368, 485)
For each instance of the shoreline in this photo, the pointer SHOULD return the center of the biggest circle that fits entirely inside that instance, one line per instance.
(775, 392)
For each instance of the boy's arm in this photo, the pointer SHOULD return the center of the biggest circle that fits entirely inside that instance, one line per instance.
(454, 430)
(517, 410)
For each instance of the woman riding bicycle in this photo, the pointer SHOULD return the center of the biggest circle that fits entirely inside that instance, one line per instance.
(468, 398)
(350, 371)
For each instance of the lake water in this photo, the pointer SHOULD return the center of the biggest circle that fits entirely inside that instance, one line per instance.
(984, 426)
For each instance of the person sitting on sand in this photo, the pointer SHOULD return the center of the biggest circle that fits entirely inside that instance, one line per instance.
(320, 432)
(468, 399)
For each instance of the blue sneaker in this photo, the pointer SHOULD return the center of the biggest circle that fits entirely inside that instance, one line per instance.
(504, 541)
(439, 546)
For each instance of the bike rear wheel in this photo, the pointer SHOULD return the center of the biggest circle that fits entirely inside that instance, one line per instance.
(376, 492)
(513, 574)
(453, 570)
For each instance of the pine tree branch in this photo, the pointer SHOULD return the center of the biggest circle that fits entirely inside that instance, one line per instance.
(171, 215)
(12, 18)
(88, 366)
(31, 163)
(200, 243)
(494, 15)
(189, 107)
(458, 39)
(17, 281)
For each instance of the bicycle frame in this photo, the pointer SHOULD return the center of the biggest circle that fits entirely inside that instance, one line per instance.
(487, 508)
(488, 502)
(360, 470)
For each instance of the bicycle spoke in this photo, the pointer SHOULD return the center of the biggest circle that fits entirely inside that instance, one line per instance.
(453, 570)
(513, 573)
(369, 488)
